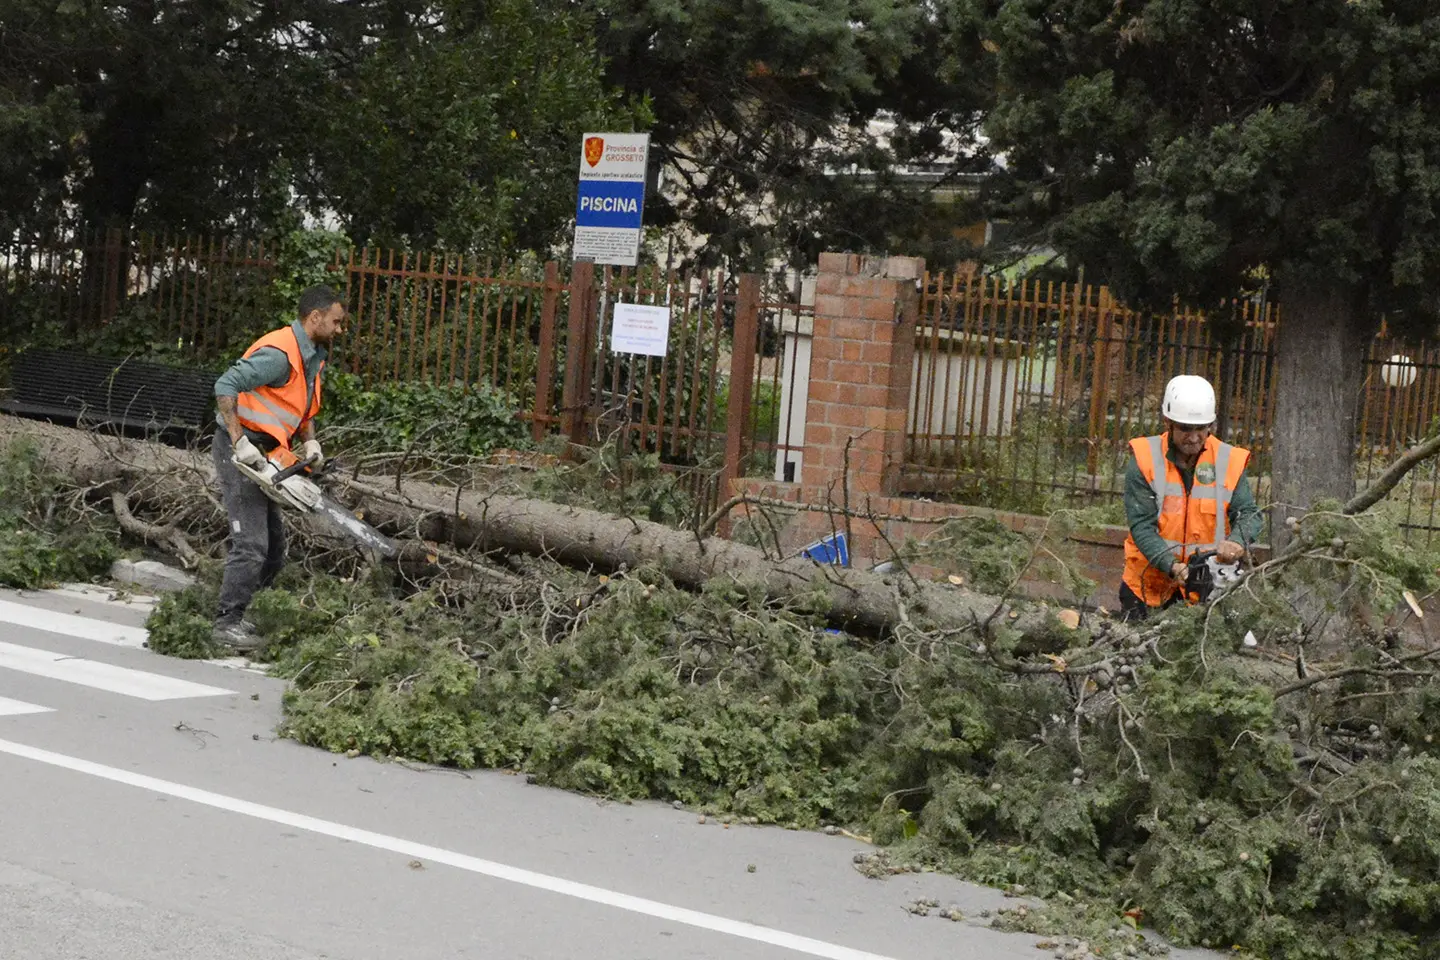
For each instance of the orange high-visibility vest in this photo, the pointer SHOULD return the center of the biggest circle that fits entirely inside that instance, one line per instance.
(1188, 522)
(280, 412)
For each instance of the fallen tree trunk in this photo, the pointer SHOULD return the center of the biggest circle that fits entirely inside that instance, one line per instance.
(859, 600)
(586, 538)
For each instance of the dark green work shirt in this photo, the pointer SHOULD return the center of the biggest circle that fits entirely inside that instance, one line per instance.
(270, 367)
(1142, 512)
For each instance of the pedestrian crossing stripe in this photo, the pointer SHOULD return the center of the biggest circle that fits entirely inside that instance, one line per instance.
(16, 708)
(82, 628)
(101, 676)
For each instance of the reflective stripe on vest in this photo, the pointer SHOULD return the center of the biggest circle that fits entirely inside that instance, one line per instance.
(281, 412)
(1179, 513)
(272, 414)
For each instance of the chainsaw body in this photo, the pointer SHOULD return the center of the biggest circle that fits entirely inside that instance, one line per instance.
(293, 488)
(288, 487)
(1207, 577)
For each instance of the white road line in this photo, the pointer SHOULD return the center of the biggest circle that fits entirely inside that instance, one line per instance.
(107, 596)
(420, 851)
(85, 628)
(15, 708)
(101, 676)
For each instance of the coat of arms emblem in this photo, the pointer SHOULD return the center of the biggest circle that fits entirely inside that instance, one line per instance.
(594, 150)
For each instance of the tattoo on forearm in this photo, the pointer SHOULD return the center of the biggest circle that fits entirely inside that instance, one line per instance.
(225, 406)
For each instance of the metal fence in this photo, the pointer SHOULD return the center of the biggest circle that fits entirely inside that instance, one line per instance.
(708, 408)
(189, 297)
(446, 318)
(1029, 392)
(785, 319)
(440, 318)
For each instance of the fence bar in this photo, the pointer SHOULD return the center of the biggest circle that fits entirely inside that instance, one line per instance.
(1028, 387)
(578, 353)
(742, 374)
(545, 360)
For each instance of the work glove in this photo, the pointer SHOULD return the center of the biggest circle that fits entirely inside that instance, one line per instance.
(310, 450)
(1230, 552)
(249, 454)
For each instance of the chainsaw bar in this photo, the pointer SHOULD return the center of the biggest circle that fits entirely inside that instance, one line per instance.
(357, 529)
(335, 515)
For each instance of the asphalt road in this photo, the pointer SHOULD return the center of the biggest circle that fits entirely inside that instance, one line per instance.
(147, 810)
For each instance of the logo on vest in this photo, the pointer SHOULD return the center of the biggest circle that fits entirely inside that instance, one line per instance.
(1205, 473)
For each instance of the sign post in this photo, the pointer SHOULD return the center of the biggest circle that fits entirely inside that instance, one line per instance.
(611, 200)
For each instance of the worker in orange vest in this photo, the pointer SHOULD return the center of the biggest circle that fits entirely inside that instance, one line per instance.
(266, 402)
(1185, 492)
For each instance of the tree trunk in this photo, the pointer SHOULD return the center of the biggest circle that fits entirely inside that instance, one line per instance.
(860, 601)
(121, 156)
(1319, 357)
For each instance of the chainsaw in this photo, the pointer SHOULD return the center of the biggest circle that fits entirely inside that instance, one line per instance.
(1207, 577)
(294, 487)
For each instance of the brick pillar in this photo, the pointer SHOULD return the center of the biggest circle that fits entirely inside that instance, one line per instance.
(860, 374)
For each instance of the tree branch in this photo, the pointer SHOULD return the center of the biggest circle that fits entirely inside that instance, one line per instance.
(160, 536)
(1392, 476)
(1313, 679)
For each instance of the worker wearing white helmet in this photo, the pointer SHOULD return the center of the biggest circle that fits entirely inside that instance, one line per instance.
(1185, 492)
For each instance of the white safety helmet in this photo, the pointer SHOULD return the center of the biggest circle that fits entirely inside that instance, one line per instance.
(1189, 401)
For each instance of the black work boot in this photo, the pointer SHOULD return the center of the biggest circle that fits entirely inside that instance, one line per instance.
(237, 635)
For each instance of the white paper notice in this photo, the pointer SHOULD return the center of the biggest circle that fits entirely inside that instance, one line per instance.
(640, 329)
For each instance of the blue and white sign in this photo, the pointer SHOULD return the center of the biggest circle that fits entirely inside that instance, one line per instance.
(832, 550)
(611, 201)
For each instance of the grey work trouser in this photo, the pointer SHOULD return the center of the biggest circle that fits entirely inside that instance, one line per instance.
(257, 535)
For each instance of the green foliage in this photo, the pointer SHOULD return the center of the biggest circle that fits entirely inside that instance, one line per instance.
(606, 479)
(1048, 443)
(992, 557)
(765, 424)
(626, 698)
(35, 141)
(95, 122)
(1178, 784)
(1229, 793)
(485, 160)
(775, 107)
(433, 420)
(304, 258)
(1220, 151)
(1302, 149)
(182, 624)
(313, 109)
(38, 549)
(254, 301)
(27, 488)
(32, 559)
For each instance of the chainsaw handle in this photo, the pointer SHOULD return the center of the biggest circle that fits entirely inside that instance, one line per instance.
(291, 470)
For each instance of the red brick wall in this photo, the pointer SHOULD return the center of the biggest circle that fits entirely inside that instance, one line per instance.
(860, 372)
(860, 382)
(1100, 556)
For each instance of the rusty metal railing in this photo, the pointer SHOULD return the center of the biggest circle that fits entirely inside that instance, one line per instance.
(1029, 392)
